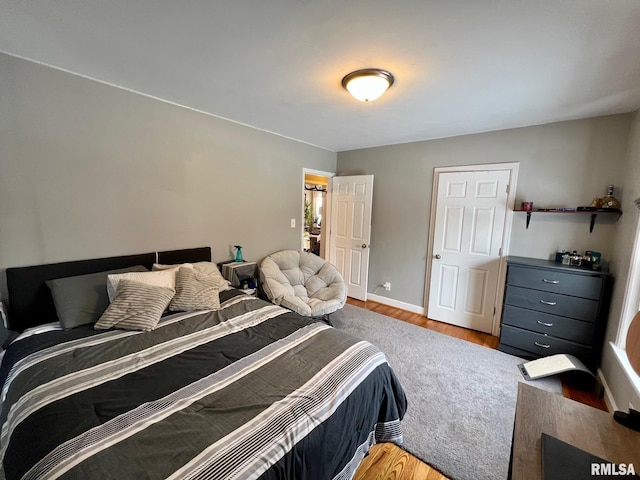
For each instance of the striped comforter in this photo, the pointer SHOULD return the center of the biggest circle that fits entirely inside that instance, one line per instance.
(248, 391)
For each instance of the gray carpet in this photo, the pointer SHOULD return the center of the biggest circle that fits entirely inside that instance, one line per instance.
(461, 396)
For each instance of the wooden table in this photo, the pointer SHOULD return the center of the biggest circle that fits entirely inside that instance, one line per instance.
(585, 427)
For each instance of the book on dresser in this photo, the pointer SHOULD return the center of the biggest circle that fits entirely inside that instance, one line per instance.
(550, 308)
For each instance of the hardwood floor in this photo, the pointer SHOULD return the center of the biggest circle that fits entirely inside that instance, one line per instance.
(387, 461)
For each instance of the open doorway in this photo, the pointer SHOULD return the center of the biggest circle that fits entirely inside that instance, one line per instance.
(316, 209)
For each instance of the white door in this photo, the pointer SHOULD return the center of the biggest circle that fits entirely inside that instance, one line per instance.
(351, 199)
(469, 223)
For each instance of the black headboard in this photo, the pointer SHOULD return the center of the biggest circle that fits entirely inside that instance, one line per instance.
(30, 301)
(171, 257)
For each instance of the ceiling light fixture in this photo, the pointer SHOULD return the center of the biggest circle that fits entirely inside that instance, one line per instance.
(367, 84)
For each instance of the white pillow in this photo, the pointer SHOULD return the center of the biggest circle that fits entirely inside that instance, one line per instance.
(162, 278)
(159, 266)
(206, 268)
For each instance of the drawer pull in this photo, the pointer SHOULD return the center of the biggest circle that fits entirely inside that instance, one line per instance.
(545, 324)
(550, 281)
(548, 303)
(541, 345)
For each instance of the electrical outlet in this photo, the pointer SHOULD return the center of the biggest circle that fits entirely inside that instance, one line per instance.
(387, 286)
(293, 223)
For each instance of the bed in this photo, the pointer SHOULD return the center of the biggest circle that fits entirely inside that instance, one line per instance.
(245, 390)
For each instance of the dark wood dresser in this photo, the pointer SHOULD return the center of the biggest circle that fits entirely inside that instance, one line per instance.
(551, 308)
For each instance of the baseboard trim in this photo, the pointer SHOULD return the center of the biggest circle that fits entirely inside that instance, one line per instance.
(608, 396)
(396, 303)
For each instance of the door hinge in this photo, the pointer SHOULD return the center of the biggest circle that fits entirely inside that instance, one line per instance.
(500, 252)
(508, 188)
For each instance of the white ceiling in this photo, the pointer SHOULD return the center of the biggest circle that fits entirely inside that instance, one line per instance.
(460, 66)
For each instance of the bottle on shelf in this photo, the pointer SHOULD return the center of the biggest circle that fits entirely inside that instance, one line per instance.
(609, 201)
(576, 259)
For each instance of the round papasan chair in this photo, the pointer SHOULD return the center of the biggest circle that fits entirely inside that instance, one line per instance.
(303, 282)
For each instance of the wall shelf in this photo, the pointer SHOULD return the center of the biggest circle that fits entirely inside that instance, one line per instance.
(593, 213)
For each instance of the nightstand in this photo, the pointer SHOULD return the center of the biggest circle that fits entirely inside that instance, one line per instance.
(239, 273)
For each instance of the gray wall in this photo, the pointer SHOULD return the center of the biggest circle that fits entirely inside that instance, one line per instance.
(561, 164)
(89, 170)
(626, 228)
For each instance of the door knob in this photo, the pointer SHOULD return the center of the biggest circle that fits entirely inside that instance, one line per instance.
(364, 245)
(438, 257)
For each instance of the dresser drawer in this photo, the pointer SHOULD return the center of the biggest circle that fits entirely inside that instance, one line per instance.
(564, 305)
(566, 328)
(586, 286)
(542, 345)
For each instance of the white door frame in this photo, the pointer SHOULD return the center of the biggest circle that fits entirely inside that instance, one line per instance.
(506, 235)
(326, 205)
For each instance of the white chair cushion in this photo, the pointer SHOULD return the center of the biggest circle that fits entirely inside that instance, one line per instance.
(303, 282)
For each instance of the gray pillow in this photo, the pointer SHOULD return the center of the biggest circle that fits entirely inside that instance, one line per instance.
(81, 300)
(136, 306)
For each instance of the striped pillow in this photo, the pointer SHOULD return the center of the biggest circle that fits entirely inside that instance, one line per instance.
(136, 306)
(207, 268)
(195, 291)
